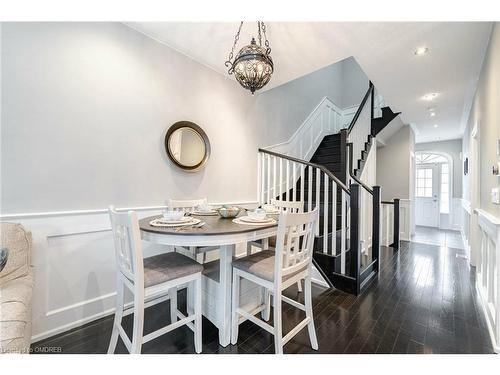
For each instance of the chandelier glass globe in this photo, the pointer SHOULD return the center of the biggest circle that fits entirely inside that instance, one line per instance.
(253, 67)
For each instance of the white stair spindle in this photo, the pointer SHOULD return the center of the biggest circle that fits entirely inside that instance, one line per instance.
(342, 234)
(318, 190)
(261, 178)
(281, 180)
(310, 188)
(302, 175)
(294, 182)
(274, 178)
(325, 217)
(268, 200)
(334, 218)
(287, 191)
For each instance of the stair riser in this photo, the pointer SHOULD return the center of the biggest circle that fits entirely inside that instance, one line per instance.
(335, 150)
(328, 158)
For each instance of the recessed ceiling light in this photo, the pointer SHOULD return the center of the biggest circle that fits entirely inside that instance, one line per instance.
(421, 51)
(430, 96)
(433, 114)
(435, 125)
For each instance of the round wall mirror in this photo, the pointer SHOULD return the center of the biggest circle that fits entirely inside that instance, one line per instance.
(187, 145)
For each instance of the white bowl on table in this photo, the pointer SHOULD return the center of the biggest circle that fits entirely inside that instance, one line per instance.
(270, 209)
(170, 215)
(257, 215)
(205, 208)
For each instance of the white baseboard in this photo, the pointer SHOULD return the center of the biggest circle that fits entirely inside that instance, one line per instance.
(491, 329)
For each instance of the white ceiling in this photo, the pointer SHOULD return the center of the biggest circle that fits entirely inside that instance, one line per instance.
(384, 50)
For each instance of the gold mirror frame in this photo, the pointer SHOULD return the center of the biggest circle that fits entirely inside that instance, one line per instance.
(199, 131)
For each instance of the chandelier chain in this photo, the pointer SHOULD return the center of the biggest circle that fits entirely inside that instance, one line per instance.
(260, 36)
(266, 42)
(231, 54)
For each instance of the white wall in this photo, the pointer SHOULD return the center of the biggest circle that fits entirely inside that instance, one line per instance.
(482, 216)
(280, 111)
(85, 110)
(394, 169)
(355, 83)
(485, 113)
(86, 107)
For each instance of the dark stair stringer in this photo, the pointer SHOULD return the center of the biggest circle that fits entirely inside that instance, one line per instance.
(379, 123)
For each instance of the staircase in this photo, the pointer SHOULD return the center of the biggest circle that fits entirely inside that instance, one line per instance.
(325, 182)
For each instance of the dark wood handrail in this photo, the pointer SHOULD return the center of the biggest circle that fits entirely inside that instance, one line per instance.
(387, 202)
(308, 163)
(360, 108)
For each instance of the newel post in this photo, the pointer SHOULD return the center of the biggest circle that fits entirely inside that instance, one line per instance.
(395, 243)
(376, 227)
(355, 205)
(343, 155)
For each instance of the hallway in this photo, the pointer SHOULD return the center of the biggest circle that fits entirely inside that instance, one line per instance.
(423, 301)
(438, 237)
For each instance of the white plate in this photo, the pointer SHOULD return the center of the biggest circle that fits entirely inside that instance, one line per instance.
(205, 213)
(161, 223)
(248, 219)
(182, 220)
(242, 222)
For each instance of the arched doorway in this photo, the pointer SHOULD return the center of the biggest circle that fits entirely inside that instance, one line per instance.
(433, 187)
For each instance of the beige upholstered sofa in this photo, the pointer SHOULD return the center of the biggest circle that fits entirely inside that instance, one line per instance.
(16, 290)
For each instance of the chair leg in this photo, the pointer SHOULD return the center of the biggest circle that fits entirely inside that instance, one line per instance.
(197, 311)
(172, 292)
(192, 250)
(138, 322)
(190, 302)
(234, 307)
(299, 286)
(265, 243)
(118, 317)
(278, 332)
(266, 300)
(249, 248)
(309, 313)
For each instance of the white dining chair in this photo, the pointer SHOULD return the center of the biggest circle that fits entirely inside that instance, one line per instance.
(188, 206)
(276, 271)
(150, 277)
(283, 206)
(293, 207)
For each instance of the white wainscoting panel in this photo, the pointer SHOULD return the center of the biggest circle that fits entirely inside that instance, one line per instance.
(74, 266)
(453, 220)
(326, 118)
(405, 219)
(387, 220)
(466, 223)
(387, 224)
(369, 177)
(488, 273)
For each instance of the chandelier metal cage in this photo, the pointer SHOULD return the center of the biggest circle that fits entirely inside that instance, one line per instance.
(253, 66)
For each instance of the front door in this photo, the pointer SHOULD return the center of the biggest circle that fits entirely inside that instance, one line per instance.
(426, 195)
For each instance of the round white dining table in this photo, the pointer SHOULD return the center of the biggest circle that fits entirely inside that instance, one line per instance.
(216, 231)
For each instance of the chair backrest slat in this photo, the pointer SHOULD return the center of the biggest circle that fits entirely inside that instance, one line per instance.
(293, 207)
(127, 240)
(186, 205)
(295, 242)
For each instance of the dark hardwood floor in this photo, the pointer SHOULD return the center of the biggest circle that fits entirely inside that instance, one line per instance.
(423, 301)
